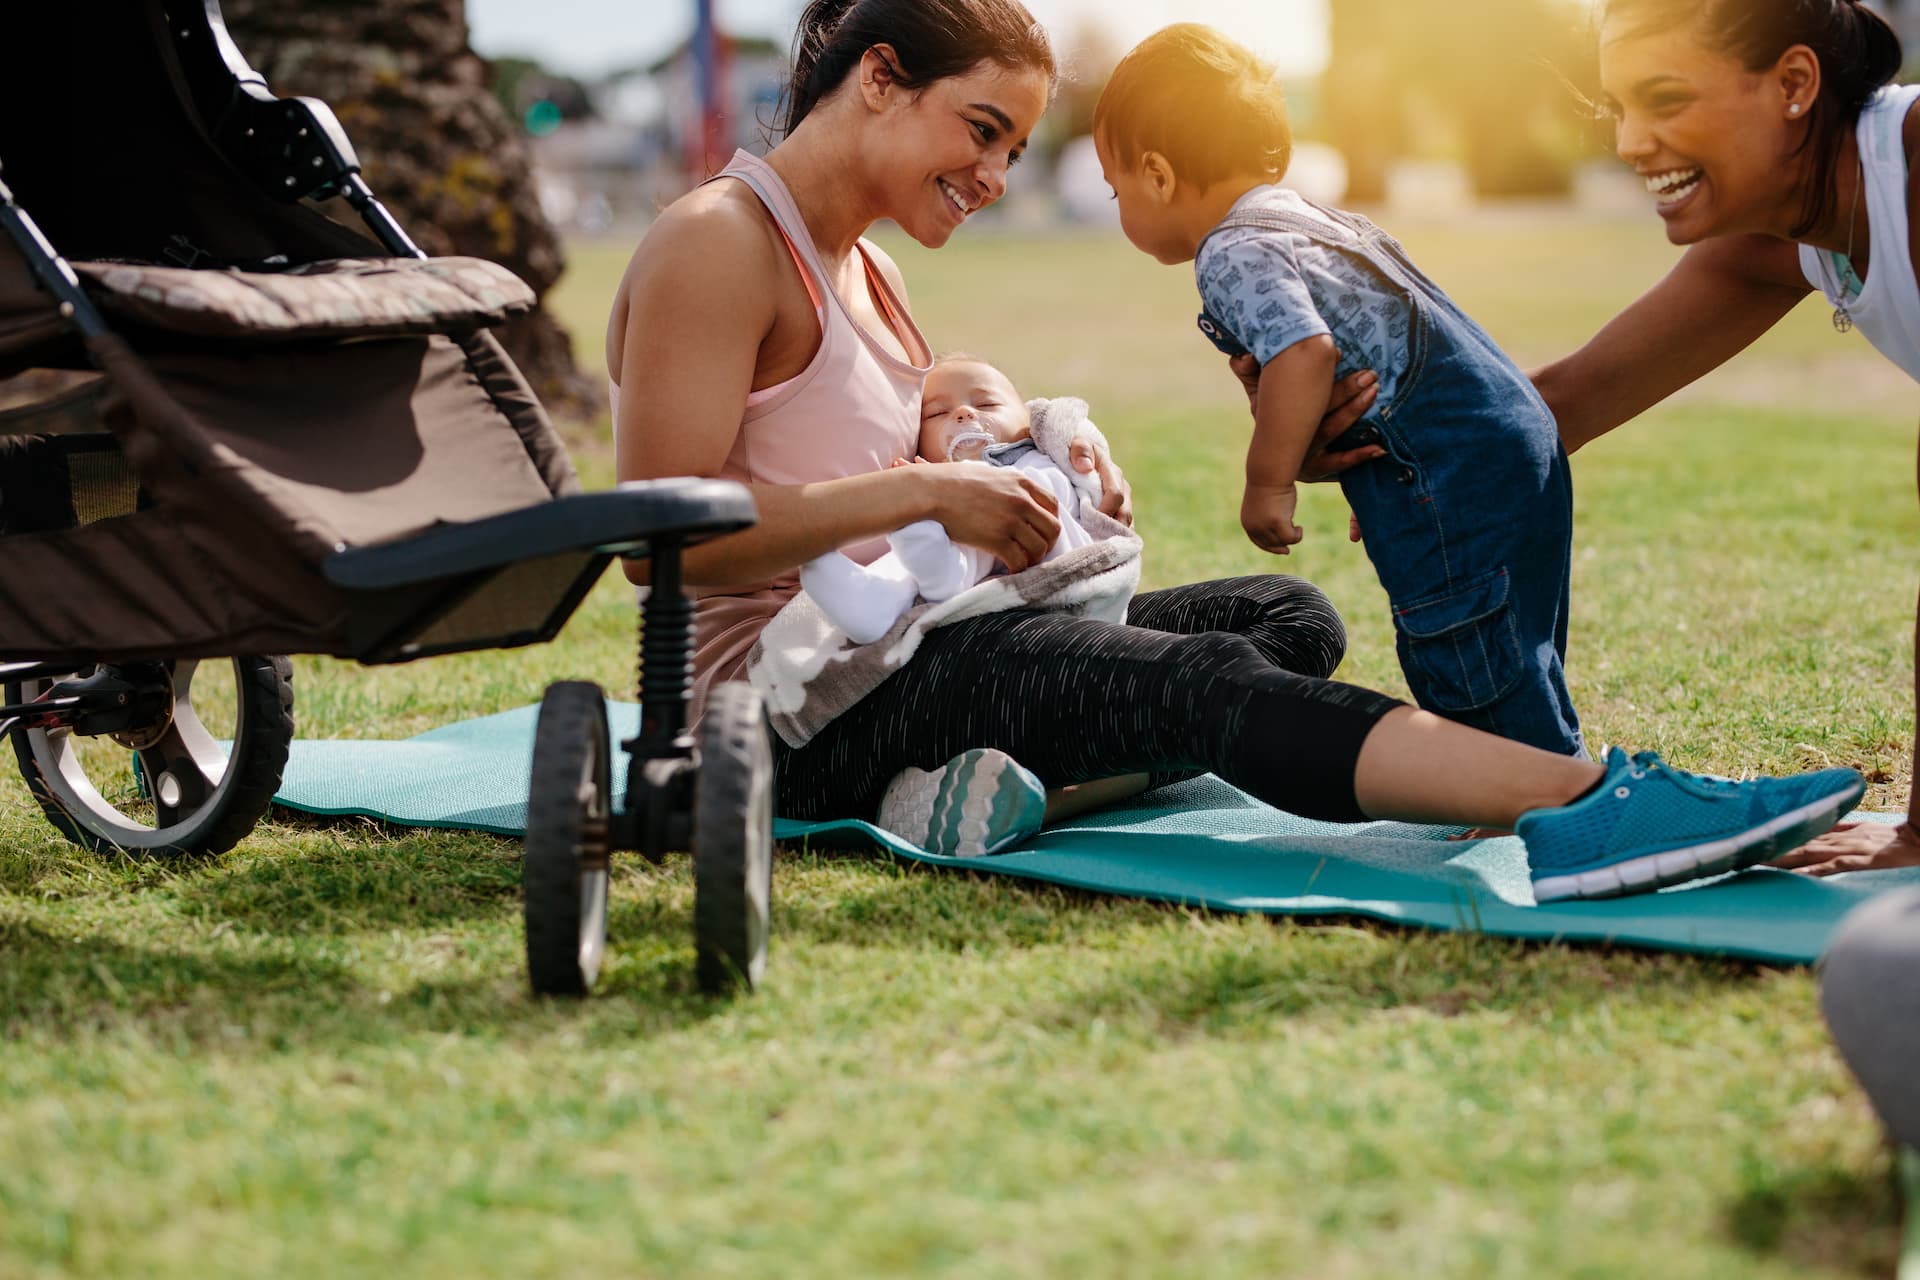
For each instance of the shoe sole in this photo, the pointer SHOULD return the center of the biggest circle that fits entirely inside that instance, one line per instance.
(1678, 866)
(975, 806)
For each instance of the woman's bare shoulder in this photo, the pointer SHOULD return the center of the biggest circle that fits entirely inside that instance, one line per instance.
(712, 243)
(720, 228)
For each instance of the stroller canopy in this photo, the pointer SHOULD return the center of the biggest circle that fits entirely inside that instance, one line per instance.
(276, 391)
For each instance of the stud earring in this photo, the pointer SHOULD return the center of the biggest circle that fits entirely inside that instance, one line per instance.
(1794, 110)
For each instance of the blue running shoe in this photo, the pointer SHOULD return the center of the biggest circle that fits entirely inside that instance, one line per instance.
(981, 801)
(1648, 825)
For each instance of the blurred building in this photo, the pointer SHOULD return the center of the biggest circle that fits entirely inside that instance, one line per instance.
(631, 158)
(753, 77)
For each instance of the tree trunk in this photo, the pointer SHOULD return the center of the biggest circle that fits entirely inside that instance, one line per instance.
(435, 146)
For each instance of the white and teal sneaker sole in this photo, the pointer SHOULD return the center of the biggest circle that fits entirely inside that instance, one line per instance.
(978, 803)
(1715, 857)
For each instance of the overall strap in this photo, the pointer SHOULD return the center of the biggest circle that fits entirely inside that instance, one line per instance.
(786, 217)
(1340, 230)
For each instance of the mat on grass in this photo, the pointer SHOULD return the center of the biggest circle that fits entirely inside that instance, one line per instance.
(1201, 843)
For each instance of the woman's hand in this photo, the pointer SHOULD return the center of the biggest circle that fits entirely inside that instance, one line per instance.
(998, 509)
(1116, 495)
(1353, 397)
(1856, 846)
(1087, 456)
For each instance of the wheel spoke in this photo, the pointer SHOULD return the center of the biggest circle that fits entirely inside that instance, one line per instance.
(175, 780)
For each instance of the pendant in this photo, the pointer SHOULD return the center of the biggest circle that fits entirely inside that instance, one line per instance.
(1842, 322)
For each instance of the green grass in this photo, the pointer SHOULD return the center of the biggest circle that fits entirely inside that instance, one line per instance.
(315, 1055)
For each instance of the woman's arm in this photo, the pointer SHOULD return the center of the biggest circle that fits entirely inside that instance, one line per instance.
(1721, 295)
(695, 311)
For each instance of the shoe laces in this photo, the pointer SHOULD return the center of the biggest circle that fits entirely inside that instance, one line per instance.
(1647, 763)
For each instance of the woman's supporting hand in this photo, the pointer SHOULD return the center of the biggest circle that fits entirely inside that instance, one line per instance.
(998, 509)
(1089, 457)
(1116, 495)
(1856, 846)
(1353, 397)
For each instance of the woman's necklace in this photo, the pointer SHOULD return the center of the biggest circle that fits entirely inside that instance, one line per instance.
(1842, 315)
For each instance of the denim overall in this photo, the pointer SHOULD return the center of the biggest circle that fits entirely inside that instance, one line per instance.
(1468, 519)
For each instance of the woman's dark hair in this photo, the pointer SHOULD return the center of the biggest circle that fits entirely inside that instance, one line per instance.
(931, 40)
(1859, 53)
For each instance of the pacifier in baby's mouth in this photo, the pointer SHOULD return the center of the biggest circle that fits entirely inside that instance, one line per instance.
(969, 442)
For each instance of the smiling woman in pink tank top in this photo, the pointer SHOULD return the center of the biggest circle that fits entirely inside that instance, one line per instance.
(757, 336)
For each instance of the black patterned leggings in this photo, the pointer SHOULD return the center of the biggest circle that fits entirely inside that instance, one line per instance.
(1225, 677)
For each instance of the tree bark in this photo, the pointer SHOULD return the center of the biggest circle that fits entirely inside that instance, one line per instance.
(434, 145)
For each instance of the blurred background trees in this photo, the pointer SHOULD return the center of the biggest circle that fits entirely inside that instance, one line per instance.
(1494, 85)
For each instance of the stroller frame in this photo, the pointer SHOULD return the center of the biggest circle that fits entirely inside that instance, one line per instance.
(706, 788)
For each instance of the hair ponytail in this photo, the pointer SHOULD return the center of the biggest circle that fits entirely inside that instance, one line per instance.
(1866, 53)
(815, 72)
(931, 40)
(1859, 55)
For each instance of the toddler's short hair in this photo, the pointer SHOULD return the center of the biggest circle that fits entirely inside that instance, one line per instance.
(1206, 103)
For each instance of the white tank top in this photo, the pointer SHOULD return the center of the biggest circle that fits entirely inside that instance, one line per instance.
(1887, 308)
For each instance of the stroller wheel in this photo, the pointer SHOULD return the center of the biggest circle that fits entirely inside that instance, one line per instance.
(565, 871)
(732, 841)
(196, 781)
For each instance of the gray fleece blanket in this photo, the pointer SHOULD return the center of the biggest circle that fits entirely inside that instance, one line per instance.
(808, 671)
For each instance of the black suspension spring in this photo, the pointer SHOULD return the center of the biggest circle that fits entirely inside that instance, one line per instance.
(665, 674)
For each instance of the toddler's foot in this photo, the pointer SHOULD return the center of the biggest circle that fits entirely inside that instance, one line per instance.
(1648, 825)
(981, 801)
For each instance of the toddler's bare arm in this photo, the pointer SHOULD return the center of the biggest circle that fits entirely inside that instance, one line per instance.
(1295, 388)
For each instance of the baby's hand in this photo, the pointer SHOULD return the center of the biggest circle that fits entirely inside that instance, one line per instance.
(1082, 456)
(1266, 513)
(908, 462)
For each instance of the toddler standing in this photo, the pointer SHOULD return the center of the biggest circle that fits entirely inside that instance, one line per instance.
(1467, 516)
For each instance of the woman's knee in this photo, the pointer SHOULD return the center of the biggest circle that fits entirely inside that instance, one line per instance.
(1298, 627)
(1868, 996)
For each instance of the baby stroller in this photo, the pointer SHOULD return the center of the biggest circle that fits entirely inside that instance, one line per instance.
(275, 435)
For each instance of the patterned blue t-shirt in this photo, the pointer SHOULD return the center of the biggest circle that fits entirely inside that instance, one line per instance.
(1275, 289)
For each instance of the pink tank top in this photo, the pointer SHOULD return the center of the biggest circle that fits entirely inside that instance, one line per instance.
(855, 408)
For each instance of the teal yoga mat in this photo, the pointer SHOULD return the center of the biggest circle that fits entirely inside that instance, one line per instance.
(1201, 843)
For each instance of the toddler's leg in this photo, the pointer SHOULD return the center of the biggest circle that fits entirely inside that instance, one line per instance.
(943, 568)
(862, 600)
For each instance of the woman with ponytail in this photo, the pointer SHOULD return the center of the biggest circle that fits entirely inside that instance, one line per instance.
(758, 336)
(1776, 146)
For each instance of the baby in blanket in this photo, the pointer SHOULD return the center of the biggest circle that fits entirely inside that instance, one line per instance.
(970, 413)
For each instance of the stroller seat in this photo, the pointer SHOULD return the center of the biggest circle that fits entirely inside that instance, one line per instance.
(361, 297)
(296, 445)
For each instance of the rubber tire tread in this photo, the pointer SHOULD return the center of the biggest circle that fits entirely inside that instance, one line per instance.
(573, 719)
(732, 841)
(262, 738)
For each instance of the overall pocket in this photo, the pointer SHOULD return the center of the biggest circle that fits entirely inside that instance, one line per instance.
(1460, 651)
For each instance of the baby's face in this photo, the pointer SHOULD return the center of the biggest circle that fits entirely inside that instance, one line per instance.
(966, 406)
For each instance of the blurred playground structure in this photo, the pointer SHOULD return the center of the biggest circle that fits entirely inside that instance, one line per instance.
(1418, 106)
